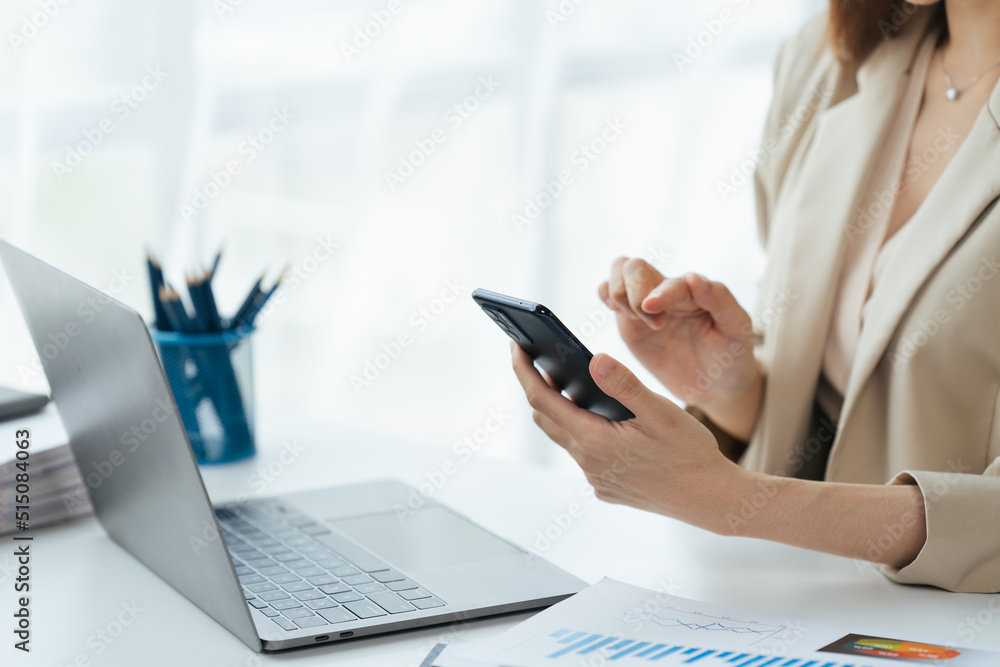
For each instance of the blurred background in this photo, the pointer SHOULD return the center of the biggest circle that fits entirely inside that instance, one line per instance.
(392, 155)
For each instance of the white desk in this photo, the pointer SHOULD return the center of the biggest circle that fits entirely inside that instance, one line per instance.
(81, 579)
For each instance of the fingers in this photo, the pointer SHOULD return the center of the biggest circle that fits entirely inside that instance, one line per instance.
(543, 398)
(671, 295)
(556, 433)
(617, 296)
(719, 302)
(621, 384)
(630, 282)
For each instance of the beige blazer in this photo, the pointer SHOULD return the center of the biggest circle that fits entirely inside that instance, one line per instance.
(923, 401)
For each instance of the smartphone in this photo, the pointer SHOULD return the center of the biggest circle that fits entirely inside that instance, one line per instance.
(553, 348)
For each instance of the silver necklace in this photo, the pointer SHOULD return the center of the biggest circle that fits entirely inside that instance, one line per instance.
(954, 91)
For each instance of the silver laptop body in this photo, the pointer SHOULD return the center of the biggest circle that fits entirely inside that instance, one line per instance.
(294, 570)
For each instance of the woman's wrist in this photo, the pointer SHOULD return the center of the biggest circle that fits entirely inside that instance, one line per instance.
(737, 413)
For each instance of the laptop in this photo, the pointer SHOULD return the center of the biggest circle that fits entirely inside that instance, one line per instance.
(281, 572)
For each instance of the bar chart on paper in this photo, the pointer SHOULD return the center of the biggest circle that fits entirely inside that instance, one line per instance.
(575, 645)
(613, 623)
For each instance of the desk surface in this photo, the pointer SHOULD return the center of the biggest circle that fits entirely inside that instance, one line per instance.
(83, 584)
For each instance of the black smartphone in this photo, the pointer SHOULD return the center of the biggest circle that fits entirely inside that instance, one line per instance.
(553, 347)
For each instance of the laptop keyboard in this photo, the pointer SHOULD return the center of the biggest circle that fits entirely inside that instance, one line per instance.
(300, 583)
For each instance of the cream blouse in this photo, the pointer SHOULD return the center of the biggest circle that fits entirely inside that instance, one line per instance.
(871, 243)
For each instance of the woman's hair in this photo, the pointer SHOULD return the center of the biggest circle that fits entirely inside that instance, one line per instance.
(858, 26)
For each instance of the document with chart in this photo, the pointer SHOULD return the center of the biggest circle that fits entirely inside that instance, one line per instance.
(631, 626)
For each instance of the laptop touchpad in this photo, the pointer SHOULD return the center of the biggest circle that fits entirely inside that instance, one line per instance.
(428, 538)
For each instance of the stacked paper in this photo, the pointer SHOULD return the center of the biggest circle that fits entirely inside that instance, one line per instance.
(56, 491)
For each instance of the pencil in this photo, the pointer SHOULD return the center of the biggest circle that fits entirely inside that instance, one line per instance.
(239, 319)
(155, 283)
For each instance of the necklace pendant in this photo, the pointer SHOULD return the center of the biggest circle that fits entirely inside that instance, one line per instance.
(951, 94)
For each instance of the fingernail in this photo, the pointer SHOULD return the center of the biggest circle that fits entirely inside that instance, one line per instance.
(604, 365)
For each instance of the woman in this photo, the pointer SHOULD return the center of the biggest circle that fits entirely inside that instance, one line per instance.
(859, 414)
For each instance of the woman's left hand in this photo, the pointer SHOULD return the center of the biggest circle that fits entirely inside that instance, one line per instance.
(662, 461)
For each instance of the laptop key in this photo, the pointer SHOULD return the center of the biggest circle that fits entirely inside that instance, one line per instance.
(248, 595)
(391, 602)
(297, 563)
(403, 585)
(369, 588)
(356, 579)
(285, 623)
(310, 571)
(257, 603)
(322, 580)
(333, 589)
(330, 563)
(298, 612)
(311, 594)
(271, 596)
(287, 557)
(247, 579)
(286, 604)
(415, 594)
(262, 587)
(364, 609)
(312, 622)
(272, 570)
(296, 586)
(285, 578)
(387, 576)
(321, 603)
(276, 550)
(350, 596)
(337, 615)
(267, 611)
(242, 569)
(427, 603)
(346, 571)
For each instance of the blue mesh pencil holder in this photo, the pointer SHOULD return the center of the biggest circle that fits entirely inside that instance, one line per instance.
(211, 376)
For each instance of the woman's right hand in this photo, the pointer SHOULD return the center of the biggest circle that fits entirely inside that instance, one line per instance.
(693, 337)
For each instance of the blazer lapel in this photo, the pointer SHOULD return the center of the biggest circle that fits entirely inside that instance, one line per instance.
(818, 215)
(968, 185)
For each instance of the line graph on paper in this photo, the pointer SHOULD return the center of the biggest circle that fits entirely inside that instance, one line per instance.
(693, 626)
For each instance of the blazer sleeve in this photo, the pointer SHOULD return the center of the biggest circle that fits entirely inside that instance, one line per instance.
(962, 551)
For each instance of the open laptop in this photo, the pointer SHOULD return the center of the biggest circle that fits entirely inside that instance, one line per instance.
(281, 572)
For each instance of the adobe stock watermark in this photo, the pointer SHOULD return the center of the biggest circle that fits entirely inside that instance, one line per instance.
(914, 168)
(246, 152)
(562, 13)
(87, 310)
(705, 38)
(741, 174)
(900, 14)
(561, 523)
(585, 155)
(723, 361)
(960, 296)
(421, 319)
(973, 626)
(298, 273)
(32, 24)
(595, 320)
(121, 108)
(224, 7)
(462, 451)
(259, 482)
(426, 146)
(379, 20)
(102, 639)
